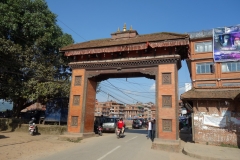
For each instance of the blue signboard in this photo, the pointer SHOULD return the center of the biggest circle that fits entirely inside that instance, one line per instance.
(57, 110)
(226, 44)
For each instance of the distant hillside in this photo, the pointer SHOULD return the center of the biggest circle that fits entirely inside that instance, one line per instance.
(5, 105)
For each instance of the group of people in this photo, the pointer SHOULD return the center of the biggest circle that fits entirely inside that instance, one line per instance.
(120, 123)
(151, 128)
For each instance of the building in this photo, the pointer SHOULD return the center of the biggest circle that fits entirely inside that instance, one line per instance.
(128, 112)
(215, 93)
(109, 109)
(139, 110)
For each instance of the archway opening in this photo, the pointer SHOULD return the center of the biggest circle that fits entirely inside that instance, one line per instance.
(133, 99)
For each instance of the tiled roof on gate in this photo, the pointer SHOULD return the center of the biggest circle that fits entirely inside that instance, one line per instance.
(138, 39)
(211, 94)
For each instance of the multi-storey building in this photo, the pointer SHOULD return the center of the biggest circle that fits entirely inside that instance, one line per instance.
(129, 111)
(102, 108)
(134, 110)
(153, 112)
(215, 93)
(147, 113)
(109, 109)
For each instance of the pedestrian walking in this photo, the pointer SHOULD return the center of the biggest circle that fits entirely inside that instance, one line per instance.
(149, 129)
(153, 129)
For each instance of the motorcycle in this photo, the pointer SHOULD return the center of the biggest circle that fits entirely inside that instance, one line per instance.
(100, 130)
(32, 129)
(119, 133)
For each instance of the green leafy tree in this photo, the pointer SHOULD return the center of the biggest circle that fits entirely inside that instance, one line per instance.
(32, 69)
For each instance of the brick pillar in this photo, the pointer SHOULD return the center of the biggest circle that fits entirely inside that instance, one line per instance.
(90, 106)
(167, 102)
(76, 101)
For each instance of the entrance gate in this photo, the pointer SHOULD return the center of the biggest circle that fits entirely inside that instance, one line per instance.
(126, 54)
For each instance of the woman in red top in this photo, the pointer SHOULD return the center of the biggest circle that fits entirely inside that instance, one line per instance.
(120, 125)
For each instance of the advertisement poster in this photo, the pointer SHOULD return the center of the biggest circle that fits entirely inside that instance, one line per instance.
(214, 121)
(226, 44)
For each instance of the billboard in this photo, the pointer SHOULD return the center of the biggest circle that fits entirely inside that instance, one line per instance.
(226, 44)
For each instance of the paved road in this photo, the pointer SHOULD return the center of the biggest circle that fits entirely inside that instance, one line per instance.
(134, 146)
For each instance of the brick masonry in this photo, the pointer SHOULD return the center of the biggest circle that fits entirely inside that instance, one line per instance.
(90, 106)
(217, 122)
(76, 110)
(167, 121)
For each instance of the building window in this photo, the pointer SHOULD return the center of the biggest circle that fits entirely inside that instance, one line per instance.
(206, 84)
(205, 68)
(166, 101)
(231, 84)
(166, 78)
(74, 121)
(167, 125)
(78, 80)
(231, 67)
(201, 47)
(76, 100)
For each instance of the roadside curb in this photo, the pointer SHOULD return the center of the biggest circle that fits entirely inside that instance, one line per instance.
(186, 152)
(201, 155)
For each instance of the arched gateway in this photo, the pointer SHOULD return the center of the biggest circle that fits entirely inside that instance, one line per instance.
(126, 54)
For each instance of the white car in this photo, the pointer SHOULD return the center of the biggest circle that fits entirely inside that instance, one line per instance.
(110, 124)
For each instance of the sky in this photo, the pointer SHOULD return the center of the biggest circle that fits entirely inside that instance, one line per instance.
(94, 19)
(5, 105)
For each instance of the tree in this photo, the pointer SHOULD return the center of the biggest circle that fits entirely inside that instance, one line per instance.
(32, 69)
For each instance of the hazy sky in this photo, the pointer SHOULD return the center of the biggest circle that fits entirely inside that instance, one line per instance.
(94, 19)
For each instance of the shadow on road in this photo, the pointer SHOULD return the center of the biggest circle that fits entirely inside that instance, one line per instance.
(137, 131)
(185, 135)
(2, 136)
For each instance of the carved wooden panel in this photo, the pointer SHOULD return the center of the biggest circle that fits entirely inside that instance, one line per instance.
(74, 121)
(166, 78)
(127, 63)
(167, 101)
(76, 100)
(167, 125)
(78, 80)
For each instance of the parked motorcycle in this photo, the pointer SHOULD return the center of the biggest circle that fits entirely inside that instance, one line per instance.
(32, 129)
(100, 130)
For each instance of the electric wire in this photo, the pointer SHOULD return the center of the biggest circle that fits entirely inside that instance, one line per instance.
(123, 92)
(133, 93)
(119, 96)
(125, 89)
(134, 83)
(71, 29)
(113, 97)
(136, 86)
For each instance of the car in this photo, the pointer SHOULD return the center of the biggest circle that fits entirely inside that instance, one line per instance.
(144, 122)
(137, 123)
(110, 124)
